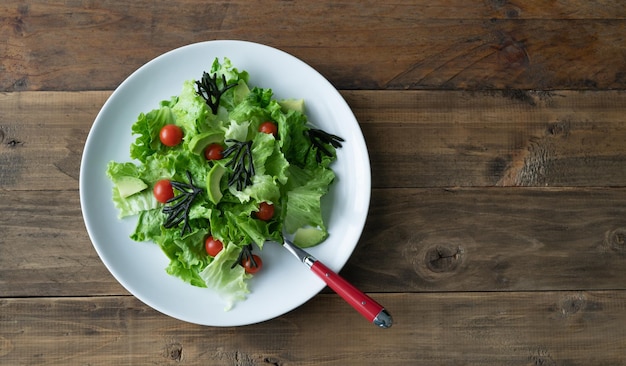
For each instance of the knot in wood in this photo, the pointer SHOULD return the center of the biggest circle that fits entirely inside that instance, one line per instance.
(173, 351)
(512, 53)
(508, 10)
(437, 256)
(576, 306)
(442, 259)
(615, 240)
(572, 304)
(512, 12)
(271, 361)
(13, 143)
(560, 128)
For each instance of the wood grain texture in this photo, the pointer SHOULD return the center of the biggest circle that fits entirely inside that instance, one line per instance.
(415, 138)
(520, 329)
(500, 138)
(78, 45)
(45, 248)
(492, 240)
(42, 136)
(496, 233)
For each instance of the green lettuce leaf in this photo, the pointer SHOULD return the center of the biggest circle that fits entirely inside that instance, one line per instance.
(255, 231)
(230, 283)
(147, 128)
(270, 172)
(256, 108)
(262, 189)
(237, 131)
(148, 226)
(232, 75)
(304, 198)
(187, 255)
(134, 204)
(189, 110)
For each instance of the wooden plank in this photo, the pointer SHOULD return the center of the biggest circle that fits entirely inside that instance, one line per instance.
(502, 239)
(518, 328)
(560, 138)
(492, 240)
(452, 45)
(48, 130)
(45, 249)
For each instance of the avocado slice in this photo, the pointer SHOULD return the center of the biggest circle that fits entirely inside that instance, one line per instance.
(292, 104)
(199, 142)
(127, 185)
(213, 179)
(306, 237)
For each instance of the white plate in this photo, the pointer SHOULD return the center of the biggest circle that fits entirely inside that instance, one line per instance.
(284, 283)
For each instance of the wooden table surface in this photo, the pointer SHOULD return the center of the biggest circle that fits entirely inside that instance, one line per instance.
(497, 227)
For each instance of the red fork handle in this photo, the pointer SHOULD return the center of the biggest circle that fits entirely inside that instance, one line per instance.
(370, 309)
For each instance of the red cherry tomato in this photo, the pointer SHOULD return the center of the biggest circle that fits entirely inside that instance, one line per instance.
(213, 246)
(163, 190)
(265, 212)
(252, 265)
(171, 135)
(269, 128)
(214, 152)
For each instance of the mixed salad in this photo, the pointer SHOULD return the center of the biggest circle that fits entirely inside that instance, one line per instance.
(219, 170)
